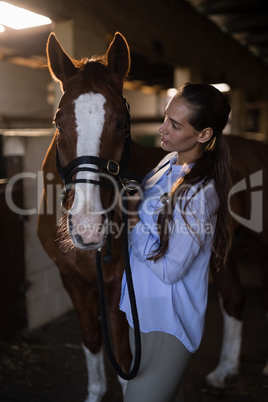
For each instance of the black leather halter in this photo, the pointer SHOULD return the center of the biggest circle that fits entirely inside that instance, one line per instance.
(118, 170)
(110, 166)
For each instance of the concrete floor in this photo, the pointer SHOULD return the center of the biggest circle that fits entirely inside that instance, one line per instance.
(48, 364)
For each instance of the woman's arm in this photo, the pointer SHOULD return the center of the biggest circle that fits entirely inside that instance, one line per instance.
(184, 245)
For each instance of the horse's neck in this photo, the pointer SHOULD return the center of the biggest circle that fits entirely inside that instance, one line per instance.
(143, 158)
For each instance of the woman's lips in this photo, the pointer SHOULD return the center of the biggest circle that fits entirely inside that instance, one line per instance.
(163, 139)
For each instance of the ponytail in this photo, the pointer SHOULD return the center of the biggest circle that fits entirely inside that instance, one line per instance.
(213, 164)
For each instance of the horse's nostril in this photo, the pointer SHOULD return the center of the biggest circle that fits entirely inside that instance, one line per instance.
(79, 239)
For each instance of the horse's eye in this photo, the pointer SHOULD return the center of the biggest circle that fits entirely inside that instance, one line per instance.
(56, 125)
(122, 125)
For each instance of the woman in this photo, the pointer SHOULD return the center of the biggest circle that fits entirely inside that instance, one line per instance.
(181, 225)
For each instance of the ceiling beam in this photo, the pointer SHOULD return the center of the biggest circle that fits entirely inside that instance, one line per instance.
(209, 7)
(258, 38)
(247, 22)
(175, 35)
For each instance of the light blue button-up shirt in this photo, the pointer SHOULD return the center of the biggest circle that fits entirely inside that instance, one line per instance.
(171, 293)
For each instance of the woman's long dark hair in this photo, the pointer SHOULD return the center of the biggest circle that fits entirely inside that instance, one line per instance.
(208, 108)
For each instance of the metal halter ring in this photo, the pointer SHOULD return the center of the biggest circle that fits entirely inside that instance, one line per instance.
(109, 170)
(131, 186)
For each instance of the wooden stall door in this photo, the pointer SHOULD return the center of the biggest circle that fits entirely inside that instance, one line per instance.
(12, 269)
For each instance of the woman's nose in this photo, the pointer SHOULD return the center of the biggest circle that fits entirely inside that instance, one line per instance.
(161, 129)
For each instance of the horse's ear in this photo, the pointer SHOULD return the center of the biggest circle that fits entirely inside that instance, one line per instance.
(118, 56)
(60, 65)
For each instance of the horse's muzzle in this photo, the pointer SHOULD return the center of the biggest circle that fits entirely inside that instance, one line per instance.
(88, 233)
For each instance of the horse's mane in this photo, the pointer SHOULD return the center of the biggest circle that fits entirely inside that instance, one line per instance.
(99, 59)
(95, 75)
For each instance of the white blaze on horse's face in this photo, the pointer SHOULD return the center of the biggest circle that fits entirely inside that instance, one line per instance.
(87, 218)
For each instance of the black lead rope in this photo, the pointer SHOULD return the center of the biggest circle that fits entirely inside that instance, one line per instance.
(136, 365)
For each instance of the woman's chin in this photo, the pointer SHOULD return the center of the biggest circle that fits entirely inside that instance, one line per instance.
(164, 146)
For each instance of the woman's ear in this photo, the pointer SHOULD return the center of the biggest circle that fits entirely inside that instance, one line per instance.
(205, 135)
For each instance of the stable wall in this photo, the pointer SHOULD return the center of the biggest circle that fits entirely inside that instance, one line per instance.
(46, 299)
(23, 97)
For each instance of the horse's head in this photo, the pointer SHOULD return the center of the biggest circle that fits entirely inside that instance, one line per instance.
(92, 124)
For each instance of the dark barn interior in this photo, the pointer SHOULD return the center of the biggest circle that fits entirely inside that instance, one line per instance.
(171, 42)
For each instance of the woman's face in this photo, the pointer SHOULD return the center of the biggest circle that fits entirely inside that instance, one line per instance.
(177, 134)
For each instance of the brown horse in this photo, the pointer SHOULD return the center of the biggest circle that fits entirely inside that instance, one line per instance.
(247, 197)
(93, 119)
